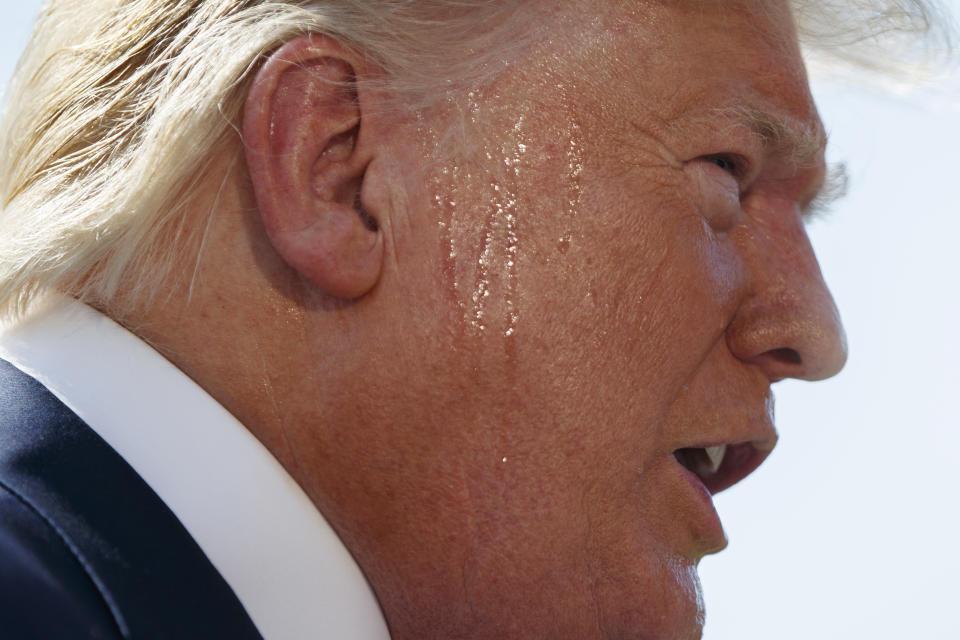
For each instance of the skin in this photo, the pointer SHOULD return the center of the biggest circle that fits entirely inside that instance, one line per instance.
(501, 465)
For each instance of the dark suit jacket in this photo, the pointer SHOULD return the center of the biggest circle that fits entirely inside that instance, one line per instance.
(87, 549)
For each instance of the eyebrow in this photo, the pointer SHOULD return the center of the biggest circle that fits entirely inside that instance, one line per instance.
(836, 182)
(799, 143)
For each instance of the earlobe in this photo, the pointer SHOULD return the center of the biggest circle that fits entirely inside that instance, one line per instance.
(306, 156)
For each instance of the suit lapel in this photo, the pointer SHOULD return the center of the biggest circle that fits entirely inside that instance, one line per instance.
(153, 576)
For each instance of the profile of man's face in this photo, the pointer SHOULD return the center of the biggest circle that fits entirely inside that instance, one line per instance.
(602, 286)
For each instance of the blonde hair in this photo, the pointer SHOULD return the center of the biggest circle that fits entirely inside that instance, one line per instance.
(117, 105)
(874, 36)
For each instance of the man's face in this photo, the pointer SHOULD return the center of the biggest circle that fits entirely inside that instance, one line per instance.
(615, 272)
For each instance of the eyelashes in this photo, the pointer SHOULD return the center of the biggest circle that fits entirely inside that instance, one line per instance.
(834, 187)
(724, 162)
(732, 179)
(734, 164)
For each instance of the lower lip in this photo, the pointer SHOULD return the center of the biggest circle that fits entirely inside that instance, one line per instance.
(709, 529)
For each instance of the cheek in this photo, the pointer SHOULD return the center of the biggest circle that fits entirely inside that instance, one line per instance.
(645, 285)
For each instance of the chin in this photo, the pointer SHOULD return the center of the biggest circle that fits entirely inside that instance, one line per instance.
(641, 625)
(673, 610)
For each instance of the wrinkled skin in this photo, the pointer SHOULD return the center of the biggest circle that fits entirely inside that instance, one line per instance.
(623, 272)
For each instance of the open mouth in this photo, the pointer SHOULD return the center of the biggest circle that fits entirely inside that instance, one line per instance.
(721, 466)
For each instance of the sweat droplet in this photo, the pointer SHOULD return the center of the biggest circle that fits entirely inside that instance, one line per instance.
(512, 254)
(574, 187)
(476, 193)
(446, 181)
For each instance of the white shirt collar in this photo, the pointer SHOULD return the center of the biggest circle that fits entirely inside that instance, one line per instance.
(282, 559)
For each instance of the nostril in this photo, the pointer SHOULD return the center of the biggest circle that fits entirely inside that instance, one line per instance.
(792, 333)
(786, 356)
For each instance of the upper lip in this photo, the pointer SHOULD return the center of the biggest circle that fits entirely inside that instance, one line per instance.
(739, 459)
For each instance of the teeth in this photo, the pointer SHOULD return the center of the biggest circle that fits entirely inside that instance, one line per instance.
(715, 454)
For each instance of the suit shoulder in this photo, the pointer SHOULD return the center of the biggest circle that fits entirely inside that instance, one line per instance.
(45, 592)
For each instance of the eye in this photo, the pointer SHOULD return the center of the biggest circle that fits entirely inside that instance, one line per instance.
(718, 183)
(729, 163)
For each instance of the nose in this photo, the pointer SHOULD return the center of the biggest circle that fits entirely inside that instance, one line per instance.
(788, 324)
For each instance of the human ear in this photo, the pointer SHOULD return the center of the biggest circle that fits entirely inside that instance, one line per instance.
(306, 156)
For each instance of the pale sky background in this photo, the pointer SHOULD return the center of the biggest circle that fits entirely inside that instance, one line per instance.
(849, 530)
